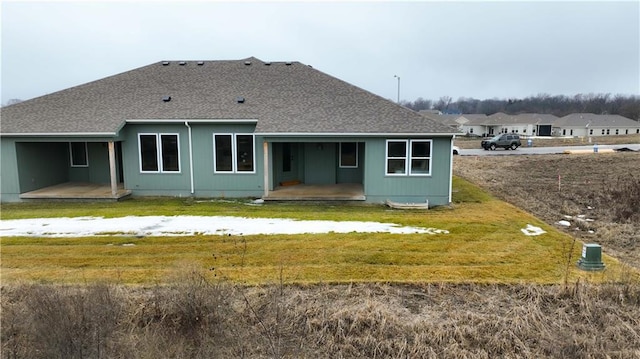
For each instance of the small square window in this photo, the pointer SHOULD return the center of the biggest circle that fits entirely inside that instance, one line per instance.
(349, 154)
(79, 154)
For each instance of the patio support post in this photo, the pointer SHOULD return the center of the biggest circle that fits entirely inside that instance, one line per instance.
(112, 169)
(265, 149)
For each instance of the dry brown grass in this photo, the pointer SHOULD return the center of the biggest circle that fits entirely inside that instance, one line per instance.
(602, 187)
(199, 319)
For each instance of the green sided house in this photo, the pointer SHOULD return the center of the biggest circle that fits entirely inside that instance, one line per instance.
(223, 129)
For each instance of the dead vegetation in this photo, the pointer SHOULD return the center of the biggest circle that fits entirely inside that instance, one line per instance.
(200, 319)
(598, 194)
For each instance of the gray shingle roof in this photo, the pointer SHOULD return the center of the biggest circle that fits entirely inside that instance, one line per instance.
(584, 119)
(282, 97)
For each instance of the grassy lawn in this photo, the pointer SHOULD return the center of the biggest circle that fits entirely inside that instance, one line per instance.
(485, 245)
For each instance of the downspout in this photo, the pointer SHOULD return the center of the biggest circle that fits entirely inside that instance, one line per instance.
(186, 123)
(451, 168)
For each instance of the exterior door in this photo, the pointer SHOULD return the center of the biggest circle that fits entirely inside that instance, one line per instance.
(289, 162)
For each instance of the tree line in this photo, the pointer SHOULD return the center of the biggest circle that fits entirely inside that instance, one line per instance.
(558, 105)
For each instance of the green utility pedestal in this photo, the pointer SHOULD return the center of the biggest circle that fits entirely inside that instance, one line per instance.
(591, 259)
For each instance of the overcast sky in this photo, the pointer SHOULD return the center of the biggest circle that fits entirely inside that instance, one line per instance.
(471, 49)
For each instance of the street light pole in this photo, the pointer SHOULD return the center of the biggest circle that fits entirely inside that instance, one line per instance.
(398, 77)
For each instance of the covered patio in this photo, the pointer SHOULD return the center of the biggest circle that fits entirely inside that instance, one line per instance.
(78, 191)
(317, 192)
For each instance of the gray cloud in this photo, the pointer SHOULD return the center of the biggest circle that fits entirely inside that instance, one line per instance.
(472, 49)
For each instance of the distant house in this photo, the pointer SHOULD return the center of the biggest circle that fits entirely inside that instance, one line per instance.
(465, 124)
(528, 124)
(535, 124)
(589, 124)
(245, 128)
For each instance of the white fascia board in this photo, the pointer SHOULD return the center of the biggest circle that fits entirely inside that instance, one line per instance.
(355, 134)
(60, 134)
(182, 121)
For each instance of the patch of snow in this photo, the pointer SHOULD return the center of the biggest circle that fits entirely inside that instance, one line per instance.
(192, 225)
(532, 230)
(567, 216)
(564, 223)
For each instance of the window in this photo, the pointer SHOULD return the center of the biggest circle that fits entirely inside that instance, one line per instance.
(233, 153)
(79, 154)
(420, 157)
(603, 131)
(159, 152)
(348, 154)
(412, 157)
(397, 157)
(617, 131)
(608, 129)
(591, 131)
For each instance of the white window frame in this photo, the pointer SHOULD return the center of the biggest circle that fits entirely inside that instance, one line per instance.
(86, 155)
(158, 137)
(408, 157)
(428, 158)
(234, 153)
(387, 158)
(340, 155)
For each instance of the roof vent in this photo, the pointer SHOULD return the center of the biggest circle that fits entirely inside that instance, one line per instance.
(288, 63)
(182, 63)
(166, 98)
(165, 63)
(247, 63)
(267, 63)
(200, 63)
(240, 99)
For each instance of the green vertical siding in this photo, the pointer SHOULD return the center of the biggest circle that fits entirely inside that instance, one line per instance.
(98, 169)
(9, 183)
(42, 164)
(352, 175)
(206, 182)
(380, 187)
(320, 163)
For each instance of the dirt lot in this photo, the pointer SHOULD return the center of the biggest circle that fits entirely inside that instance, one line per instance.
(604, 188)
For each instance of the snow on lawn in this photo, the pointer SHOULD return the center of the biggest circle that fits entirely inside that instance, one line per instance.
(190, 225)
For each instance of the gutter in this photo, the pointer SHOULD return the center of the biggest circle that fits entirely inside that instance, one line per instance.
(354, 134)
(186, 123)
(60, 134)
(224, 120)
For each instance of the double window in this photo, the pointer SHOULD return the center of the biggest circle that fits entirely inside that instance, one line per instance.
(79, 154)
(159, 152)
(408, 157)
(233, 153)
